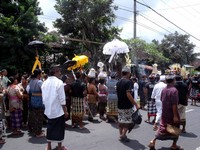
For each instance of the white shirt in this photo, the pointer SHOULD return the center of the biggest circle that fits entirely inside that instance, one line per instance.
(157, 90)
(53, 96)
(135, 89)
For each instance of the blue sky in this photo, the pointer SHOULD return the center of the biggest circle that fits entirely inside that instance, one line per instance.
(183, 13)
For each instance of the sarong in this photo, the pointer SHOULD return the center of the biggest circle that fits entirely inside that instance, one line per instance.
(102, 108)
(35, 120)
(151, 108)
(77, 109)
(16, 119)
(166, 136)
(181, 111)
(112, 109)
(56, 129)
(194, 92)
(125, 118)
(93, 110)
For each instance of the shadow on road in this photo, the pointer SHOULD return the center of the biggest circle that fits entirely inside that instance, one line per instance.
(35, 140)
(189, 134)
(15, 135)
(163, 148)
(77, 129)
(135, 145)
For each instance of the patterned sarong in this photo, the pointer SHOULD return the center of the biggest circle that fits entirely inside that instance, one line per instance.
(151, 108)
(77, 109)
(112, 109)
(92, 109)
(125, 115)
(181, 110)
(16, 119)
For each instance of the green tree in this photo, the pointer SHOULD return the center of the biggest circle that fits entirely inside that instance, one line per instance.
(88, 20)
(18, 24)
(178, 49)
(141, 51)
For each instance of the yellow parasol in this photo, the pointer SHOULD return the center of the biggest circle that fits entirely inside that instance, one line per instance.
(80, 62)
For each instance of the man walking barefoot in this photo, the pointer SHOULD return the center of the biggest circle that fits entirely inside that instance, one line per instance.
(125, 104)
(53, 95)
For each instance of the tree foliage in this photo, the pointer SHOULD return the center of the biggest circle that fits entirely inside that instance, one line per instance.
(88, 20)
(142, 51)
(18, 24)
(178, 49)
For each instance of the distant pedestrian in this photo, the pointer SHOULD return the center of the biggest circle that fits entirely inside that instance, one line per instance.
(68, 91)
(92, 94)
(36, 107)
(156, 97)
(78, 89)
(2, 125)
(22, 85)
(194, 90)
(15, 105)
(183, 100)
(151, 106)
(53, 95)
(112, 110)
(142, 83)
(125, 103)
(135, 88)
(103, 93)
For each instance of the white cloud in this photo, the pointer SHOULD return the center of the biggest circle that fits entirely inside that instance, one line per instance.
(49, 13)
(184, 14)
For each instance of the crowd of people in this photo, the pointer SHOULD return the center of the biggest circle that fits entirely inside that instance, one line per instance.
(54, 99)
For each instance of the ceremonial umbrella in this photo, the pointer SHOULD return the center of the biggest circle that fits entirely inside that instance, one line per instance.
(81, 60)
(115, 47)
(68, 63)
(36, 44)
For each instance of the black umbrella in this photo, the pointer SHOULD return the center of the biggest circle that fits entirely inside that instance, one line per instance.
(68, 64)
(35, 45)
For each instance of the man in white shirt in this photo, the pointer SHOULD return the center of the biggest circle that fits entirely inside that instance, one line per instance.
(53, 95)
(156, 96)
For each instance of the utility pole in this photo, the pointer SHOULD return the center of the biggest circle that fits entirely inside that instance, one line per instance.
(134, 15)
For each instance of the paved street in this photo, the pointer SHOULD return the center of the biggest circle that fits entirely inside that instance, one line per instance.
(104, 136)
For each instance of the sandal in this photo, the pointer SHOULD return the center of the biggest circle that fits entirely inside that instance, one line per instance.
(176, 148)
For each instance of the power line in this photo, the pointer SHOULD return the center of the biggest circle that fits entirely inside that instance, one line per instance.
(168, 20)
(143, 25)
(181, 14)
(146, 19)
(154, 23)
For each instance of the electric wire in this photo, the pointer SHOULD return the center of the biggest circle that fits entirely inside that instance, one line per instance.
(168, 20)
(181, 14)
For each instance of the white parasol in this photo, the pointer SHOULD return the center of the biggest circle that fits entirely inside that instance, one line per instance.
(115, 47)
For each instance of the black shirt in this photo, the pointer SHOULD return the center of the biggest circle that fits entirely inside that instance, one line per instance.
(182, 92)
(77, 88)
(122, 86)
(149, 86)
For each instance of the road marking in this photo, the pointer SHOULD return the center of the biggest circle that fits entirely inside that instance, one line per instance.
(189, 110)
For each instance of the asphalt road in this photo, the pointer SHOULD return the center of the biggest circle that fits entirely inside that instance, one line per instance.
(104, 136)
